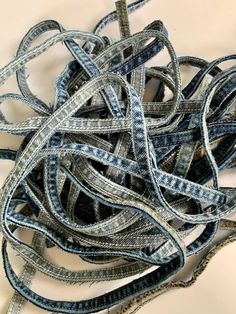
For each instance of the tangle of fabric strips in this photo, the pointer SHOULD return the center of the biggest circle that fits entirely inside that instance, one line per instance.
(114, 176)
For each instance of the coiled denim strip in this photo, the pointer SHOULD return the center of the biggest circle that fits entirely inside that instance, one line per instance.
(110, 175)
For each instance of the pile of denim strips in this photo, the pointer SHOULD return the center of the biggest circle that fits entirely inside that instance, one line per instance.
(120, 180)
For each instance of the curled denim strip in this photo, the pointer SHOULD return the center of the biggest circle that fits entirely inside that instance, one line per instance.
(113, 175)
